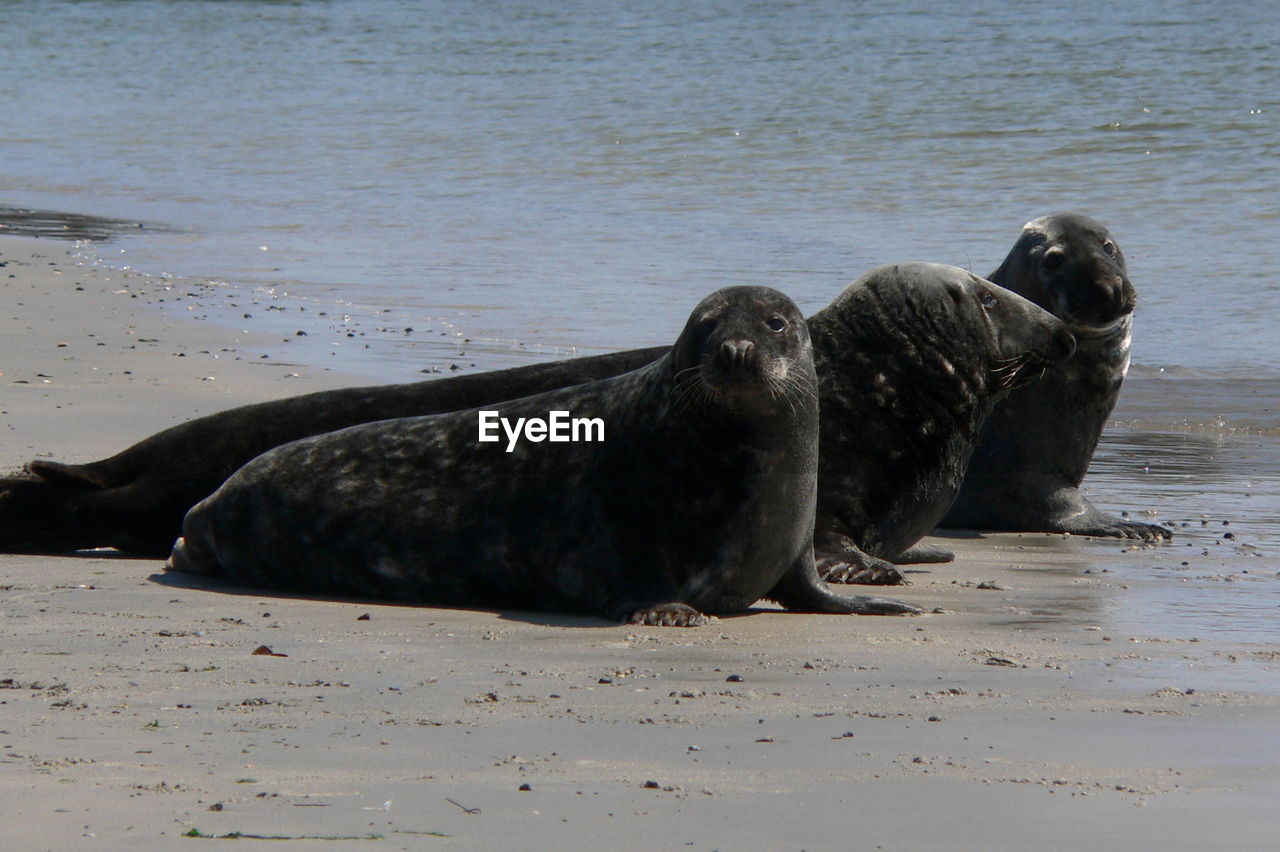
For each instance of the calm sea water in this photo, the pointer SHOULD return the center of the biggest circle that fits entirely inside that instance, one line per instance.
(488, 183)
(535, 176)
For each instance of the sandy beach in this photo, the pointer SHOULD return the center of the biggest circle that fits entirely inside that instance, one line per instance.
(1029, 709)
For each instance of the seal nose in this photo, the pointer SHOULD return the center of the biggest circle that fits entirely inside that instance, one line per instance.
(737, 354)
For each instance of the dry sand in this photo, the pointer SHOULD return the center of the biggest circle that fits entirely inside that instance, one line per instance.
(134, 709)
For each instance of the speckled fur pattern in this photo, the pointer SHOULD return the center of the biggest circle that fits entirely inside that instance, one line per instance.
(699, 500)
(911, 358)
(1036, 447)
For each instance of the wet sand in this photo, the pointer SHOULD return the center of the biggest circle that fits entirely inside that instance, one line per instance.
(1039, 708)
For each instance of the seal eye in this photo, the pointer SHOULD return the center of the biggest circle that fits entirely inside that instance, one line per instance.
(776, 323)
(1109, 247)
(988, 299)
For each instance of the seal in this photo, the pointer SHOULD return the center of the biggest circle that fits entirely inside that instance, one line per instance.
(911, 359)
(701, 498)
(1035, 449)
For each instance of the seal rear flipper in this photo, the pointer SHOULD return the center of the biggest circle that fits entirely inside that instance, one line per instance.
(923, 553)
(68, 475)
(38, 516)
(802, 589)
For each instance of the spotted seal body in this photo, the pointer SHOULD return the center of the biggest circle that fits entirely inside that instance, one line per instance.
(911, 358)
(700, 499)
(1036, 446)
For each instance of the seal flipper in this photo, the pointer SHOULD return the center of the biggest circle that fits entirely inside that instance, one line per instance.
(191, 558)
(39, 516)
(667, 615)
(1073, 513)
(68, 475)
(843, 561)
(802, 589)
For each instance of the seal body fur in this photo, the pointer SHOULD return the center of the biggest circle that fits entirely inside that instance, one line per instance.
(911, 359)
(1036, 446)
(701, 498)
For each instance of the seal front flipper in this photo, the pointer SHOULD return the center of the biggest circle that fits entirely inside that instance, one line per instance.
(667, 615)
(844, 562)
(190, 557)
(859, 569)
(802, 589)
(1083, 518)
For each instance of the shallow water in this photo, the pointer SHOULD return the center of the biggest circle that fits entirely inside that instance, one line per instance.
(549, 176)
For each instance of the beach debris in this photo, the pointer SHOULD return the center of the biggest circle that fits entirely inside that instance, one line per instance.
(465, 809)
(265, 651)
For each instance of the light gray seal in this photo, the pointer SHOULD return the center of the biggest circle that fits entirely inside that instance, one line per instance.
(699, 499)
(1035, 448)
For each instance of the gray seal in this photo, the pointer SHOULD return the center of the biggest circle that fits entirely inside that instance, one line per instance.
(699, 499)
(1036, 446)
(911, 358)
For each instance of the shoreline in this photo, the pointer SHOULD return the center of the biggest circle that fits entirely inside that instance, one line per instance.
(1034, 710)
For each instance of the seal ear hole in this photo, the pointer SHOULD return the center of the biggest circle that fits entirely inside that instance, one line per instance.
(776, 323)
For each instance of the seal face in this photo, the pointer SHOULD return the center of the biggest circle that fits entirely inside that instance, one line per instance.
(911, 358)
(700, 499)
(1036, 446)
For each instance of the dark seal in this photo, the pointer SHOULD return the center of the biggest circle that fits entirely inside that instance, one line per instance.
(700, 498)
(911, 358)
(1035, 448)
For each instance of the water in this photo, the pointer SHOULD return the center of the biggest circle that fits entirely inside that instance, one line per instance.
(578, 175)
(486, 184)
